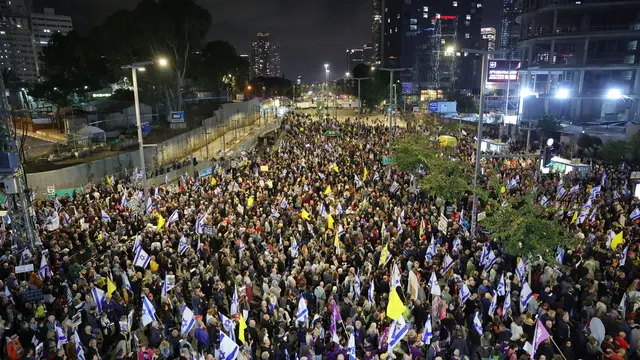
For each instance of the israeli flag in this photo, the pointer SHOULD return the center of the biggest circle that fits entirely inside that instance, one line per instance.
(477, 323)
(228, 325)
(544, 200)
(44, 268)
(275, 213)
(235, 302)
(67, 219)
(560, 255)
(376, 177)
(507, 304)
(623, 258)
(125, 281)
(357, 285)
(283, 203)
(303, 313)
(501, 286)
(491, 259)
(173, 217)
(521, 270)
(447, 263)
(78, 346)
(165, 286)
(7, 294)
(399, 329)
(182, 245)
(370, 293)
(228, 348)
(395, 276)
(148, 311)
(98, 297)
(457, 244)
(61, 336)
(351, 347)
(635, 214)
(137, 243)
(200, 224)
(123, 201)
(574, 189)
(400, 229)
(104, 216)
(484, 255)
(309, 228)
(427, 334)
(431, 250)
(494, 304)
(149, 207)
(141, 259)
(294, 249)
(525, 296)
(434, 285)
(57, 205)
(465, 294)
(156, 193)
(188, 321)
(339, 210)
(323, 211)
(604, 178)
(622, 308)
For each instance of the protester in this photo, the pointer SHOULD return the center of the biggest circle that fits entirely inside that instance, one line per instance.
(311, 248)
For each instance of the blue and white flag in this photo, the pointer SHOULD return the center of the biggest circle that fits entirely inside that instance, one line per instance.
(604, 178)
(447, 263)
(464, 294)
(44, 268)
(521, 270)
(141, 259)
(395, 276)
(78, 346)
(188, 321)
(169, 283)
(427, 333)
(371, 294)
(200, 224)
(376, 177)
(432, 250)
(485, 254)
(61, 336)
(477, 323)
(149, 207)
(494, 304)
(491, 259)
(635, 214)
(560, 192)
(137, 243)
(351, 347)
(182, 245)
(275, 212)
(7, 294)
(173, 217)
(394, 187)
(339, 210)
(67, 218)
(622, 308)
(104, 216)
(457, 244)
(525, 296)
(98, 297)
(544, 200)
(294, 248)
(228, 347)
(400, 229)
(235, 301)
(57, 205)
(560, 255)
(123, 201)
(303, 313)
(501, 286)
(507, 304)
(399, 329)
(434, 286)
(283, 203)
(357, 286)
(623, 258)
(125, 281)
(592, 217)
(594, 192)
(148, 311)
(574, 189)
(309, 228)
(228, 326)
(323, 211)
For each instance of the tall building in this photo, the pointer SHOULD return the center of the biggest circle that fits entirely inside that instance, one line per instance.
(582, 60)
(368, 54)
(354, 57)
(265, 58)
(43, 26)
(488, 38)
(509, 28)
(377, 28)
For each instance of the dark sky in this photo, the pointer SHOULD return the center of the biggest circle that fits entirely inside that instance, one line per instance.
(310, 32)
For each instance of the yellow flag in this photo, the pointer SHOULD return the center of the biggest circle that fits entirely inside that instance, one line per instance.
(384, 255)
(617, 240)
(330, 222)
(395, 308)
(250, 201)
(305, 215)
(503, 190)
(336, 240)
(213, 181)
(243, 326)
(575, 217)
(111, 287)
(327, 190)
(108, 180)
(161, 221)
(335, 167)
(366, 173)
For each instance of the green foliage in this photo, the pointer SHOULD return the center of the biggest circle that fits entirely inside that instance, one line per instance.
(634, 147)
(374, 90)
(547, 122)
(444, 177)
(586, 141)
(522, 229)
(217, 61)
(464, 103)
(614, 152)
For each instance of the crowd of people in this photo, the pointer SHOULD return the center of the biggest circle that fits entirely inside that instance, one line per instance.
(313, 249)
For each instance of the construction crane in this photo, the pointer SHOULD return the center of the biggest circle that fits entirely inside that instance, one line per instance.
(18, 218)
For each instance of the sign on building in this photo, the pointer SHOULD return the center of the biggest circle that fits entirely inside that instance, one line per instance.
(500, 71)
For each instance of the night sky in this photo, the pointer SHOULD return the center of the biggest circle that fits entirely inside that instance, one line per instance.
(309, 32)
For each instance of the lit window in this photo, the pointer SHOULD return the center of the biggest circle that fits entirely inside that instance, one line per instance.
(413, 27)
(455, 3)
(467, 36)
(633, 45)
(479, 5)
(437, 16)
(425, 8)
(425, 15)
(413, 21)
(388, 20)
(468, 17)
(629, 59)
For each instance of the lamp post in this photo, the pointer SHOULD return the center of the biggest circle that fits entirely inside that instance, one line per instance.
(135, 67)
(391, 71)
(360, 101)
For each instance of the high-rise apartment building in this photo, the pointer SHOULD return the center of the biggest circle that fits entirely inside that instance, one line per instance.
(354, 58)
(488, 38)
(377, 28)
(509, 28)
(265, 58)
(581, 60)
(44, 25)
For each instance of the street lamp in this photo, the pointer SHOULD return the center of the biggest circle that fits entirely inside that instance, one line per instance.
(562, 93)
(614, 94)
(135, 67)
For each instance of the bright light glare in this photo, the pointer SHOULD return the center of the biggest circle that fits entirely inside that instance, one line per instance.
(142, 69)
(348, 74)
(163, 62)
(614, 94)
(526, 92)
(450, 49)
(326, 66)
(373, 68)
(562, 93)
(550, 142)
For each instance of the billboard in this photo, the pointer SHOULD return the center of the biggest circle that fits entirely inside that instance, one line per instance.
(499, 71)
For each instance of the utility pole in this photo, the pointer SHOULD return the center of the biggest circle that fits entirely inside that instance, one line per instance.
(391, 71)
(359, 100)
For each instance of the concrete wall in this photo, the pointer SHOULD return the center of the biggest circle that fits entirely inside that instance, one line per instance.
(234, 120)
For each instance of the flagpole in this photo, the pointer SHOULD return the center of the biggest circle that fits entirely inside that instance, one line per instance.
(554, 343)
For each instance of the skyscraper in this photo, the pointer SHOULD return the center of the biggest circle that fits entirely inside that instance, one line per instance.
(509, 29)
(265, 58)
(488, 38)
(43, 26)
(354, 57)
(376, 32)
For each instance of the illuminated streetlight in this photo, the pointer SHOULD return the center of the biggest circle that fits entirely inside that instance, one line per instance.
(249, 87)
(163, 62)
(526, 92)
(614, 94)
(563, 93)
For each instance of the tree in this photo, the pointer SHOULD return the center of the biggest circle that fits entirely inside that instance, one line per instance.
(523, 230)
(614, 152)
(373, 90)
(588, 142)
(547, 122)
(634, 147)
(445, 176)
(219, 60)
(464, 103)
